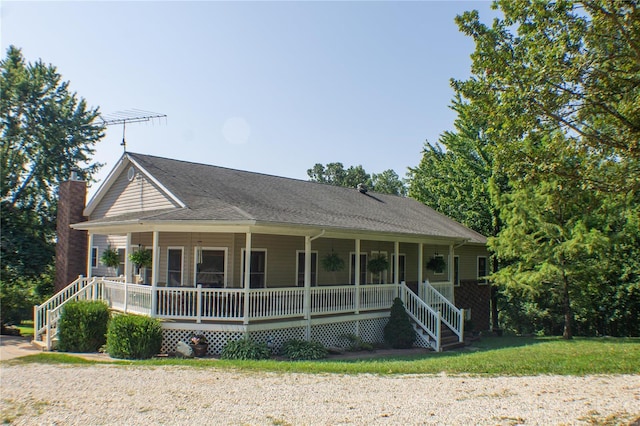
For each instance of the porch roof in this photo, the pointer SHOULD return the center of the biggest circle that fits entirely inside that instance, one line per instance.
(219, 195)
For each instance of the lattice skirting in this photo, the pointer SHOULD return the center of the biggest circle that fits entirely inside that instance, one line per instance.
(329, 334)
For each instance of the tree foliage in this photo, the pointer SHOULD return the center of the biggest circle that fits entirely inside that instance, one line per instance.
(47, 132)
(387, 182)
(559, 84)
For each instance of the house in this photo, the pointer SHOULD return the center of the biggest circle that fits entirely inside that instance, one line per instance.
(237, 253)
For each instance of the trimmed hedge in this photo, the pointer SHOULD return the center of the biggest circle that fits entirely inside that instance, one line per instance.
(302, 350)
(83, 326)
(399, 333)
(245, 349)
(134, 337)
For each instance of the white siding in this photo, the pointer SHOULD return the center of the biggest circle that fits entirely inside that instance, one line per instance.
(126, 196)
(102, 242)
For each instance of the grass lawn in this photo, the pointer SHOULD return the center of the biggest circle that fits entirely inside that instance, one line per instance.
(492, 356)
(26, 328)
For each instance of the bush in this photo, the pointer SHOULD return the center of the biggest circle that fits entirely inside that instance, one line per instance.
(399, 333)
(301, 349)
(134, 337)
(355, 343)
(83, 326)
(245, 349)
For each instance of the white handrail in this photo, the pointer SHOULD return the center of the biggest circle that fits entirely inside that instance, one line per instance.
(425, 317)
(451, 316)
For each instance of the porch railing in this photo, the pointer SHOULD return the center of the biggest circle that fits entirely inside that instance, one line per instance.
(427, 319)
(451, 316)
(40, 311)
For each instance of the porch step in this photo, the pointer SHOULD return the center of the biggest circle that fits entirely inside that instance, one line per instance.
(448, 339)
(42, 344)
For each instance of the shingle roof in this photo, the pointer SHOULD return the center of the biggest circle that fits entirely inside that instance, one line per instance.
(222, 194)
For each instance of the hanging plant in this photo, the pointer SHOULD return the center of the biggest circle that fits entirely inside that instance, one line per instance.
(110, 258)
(141, 258)
(436, 264)
(378, 264)
(332, 262)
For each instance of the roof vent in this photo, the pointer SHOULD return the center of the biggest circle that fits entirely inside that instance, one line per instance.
(362, 188)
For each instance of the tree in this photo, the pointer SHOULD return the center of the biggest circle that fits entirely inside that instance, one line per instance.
(559, 83)
(335, 174)
(46, 133)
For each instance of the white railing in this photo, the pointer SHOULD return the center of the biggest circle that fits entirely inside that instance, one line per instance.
(451, 316)
(126, 297)
(333, 299)
(276, 303)
(425, 317)
(40, 311)
(377, 296)
(89, 291)
(182, 303)
(444, 288)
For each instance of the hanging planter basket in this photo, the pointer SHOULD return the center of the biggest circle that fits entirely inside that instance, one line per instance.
(110, 258)
(436, 264)
(332, 263)
(141, 258)
(378, 264)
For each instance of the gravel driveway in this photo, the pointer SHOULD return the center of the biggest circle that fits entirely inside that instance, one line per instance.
(37, 394)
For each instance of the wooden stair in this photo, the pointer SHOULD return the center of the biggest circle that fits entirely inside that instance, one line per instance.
(448, 339)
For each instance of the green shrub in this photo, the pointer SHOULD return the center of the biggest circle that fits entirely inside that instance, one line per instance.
(83, 326)
(134, 337)
(245, 349)
(355, 343)
(399, 333)
(301, 349)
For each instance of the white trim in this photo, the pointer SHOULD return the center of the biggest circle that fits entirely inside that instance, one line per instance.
(404, 269)
(313, 284)
(181, 248)
(443, 271)
(94, 259)
(362, 253)
(482, 281)
(266, 264)
(120, 167)
(453, 279)
(226, 263)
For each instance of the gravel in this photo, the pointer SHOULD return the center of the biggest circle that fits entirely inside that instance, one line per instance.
(38, 394)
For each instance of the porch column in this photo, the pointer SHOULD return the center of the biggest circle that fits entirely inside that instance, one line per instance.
(420, 262)
(451, 270)
(155, 266)
(89, 251)
(307, 284)
(128, 273)
(357, 276)
(247, 276)
(396, 263)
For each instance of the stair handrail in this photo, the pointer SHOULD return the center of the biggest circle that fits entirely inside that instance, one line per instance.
(451, 315)
(53, 315)
(39, 311)
(427, 318)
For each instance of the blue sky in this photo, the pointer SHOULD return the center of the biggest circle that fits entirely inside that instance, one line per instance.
(272, 87)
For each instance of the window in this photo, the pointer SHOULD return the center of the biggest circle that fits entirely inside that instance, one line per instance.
(174, 267)
(121, 254)
(94, 257)
(456, 271)
(445, 268)
(258, 268)
(314, 268)
(211, 267)
(482, 269)
(402, 270)
(363, 268)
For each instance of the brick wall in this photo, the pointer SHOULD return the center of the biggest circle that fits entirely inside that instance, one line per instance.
(470, 295)
(71, 247)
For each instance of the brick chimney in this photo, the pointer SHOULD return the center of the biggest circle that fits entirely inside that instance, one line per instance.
(71, 247)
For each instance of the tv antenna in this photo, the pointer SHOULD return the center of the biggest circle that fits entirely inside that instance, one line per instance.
(130, 116)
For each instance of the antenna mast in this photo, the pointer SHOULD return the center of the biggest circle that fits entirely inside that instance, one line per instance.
(130, 116)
